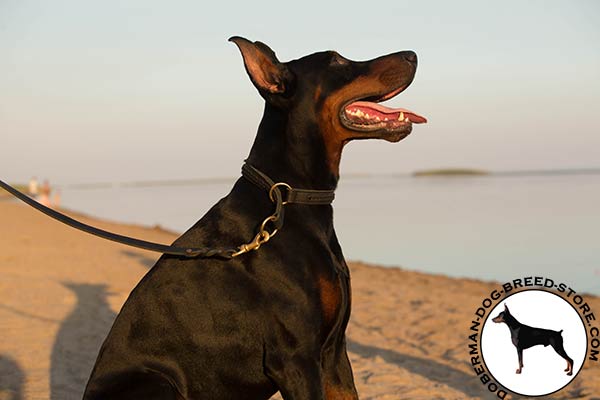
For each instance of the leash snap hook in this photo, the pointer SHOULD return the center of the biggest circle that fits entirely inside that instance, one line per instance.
(253, 245)
(263, 236)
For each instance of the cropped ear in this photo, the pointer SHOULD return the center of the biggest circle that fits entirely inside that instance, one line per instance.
(265, 71)
(506, 308)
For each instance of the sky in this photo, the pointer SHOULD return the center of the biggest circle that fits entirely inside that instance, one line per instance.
(118, 91)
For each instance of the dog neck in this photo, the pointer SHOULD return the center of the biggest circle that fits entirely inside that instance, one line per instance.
(291, 149)
(511, 321)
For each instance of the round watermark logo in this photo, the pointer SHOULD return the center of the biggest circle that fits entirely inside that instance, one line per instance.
(531, 337)
(536, 346)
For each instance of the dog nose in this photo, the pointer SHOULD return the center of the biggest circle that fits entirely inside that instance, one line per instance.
(410, 56)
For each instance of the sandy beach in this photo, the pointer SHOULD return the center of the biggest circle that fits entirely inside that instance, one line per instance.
(61, 289)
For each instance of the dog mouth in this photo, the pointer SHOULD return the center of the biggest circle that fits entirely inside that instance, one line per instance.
(368, 115)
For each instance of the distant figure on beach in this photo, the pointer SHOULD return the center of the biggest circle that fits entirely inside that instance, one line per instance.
(45, 194)
(56, 199)
(33, 187)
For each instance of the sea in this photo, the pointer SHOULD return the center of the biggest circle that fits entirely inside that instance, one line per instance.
(496, 227)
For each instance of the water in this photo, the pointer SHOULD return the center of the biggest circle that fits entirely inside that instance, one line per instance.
(488, 227)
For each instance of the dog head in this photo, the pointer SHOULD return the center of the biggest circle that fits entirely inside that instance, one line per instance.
(502, 316)
(334, 96)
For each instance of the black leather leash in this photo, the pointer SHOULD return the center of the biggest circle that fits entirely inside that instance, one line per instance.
(253, 175)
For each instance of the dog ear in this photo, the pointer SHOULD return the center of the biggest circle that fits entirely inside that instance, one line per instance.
(506, 308)
(266, 72)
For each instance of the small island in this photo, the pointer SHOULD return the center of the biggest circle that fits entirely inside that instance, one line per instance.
(450, 172)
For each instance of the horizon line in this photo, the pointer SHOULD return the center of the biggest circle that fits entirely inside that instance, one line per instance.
(347, 176)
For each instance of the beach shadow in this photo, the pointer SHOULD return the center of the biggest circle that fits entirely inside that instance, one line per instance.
(78, 340)
(11, 379)
(147, 262)
(430, 369)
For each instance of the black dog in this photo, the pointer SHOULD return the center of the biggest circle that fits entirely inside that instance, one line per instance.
(524, 337)
(272, 319)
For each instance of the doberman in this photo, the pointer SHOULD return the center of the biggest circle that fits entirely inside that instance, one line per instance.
(524, 337)
(272, 319)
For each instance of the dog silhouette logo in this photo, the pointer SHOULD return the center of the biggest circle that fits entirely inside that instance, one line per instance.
(542, 335)
(525, 336)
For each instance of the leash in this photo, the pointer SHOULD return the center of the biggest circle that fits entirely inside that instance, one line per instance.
(253, 175)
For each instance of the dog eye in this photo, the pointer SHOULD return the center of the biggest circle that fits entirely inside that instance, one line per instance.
(336, 59)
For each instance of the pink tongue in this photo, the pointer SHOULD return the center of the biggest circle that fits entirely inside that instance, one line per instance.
(367, 107)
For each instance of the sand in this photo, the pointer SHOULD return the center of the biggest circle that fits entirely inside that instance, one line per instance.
(61, 289)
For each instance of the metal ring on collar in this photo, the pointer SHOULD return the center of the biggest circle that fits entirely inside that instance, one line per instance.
(285, 185)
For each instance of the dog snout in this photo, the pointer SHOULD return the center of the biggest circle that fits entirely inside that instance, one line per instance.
(410, 56)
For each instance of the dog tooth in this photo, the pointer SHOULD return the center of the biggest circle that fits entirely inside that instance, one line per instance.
(401, 117)
(406, 119)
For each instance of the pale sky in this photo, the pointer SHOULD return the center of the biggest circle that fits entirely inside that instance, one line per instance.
(140, 90)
